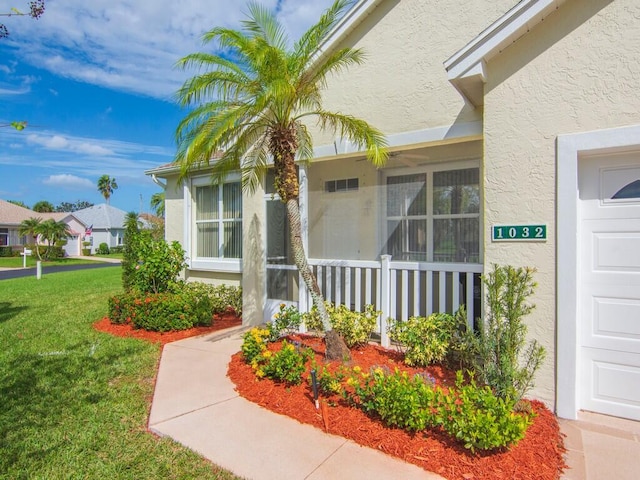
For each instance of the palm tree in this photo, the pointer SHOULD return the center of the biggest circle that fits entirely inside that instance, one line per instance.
(43, 206)
(252, 104)
(31, 228)
(106, 186)
(157, 203)
(53, 232)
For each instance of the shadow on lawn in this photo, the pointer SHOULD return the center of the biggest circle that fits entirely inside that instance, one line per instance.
(8, 311)
(60, 403)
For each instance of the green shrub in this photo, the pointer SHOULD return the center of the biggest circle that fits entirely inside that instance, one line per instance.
(223, 297)
(462, 350)
(160, 312)
(254, 342)
(472, 415)
(103, 249)
(117, 249)
(399, 399)
(354, 327)
(159, 265)
(129, 253)
(120, 308)
(54, 251)
(501, 362)
(479, 419)
(426, 339)
(285, 365)
(286, 320)
(6, 251)
(329, 383)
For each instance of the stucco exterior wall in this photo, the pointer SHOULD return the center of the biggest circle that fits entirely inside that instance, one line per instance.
(579, 70)
(402, 85)
(174, 211)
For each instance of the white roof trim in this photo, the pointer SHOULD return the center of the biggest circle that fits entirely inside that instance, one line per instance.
(351, 19)
(468, 63)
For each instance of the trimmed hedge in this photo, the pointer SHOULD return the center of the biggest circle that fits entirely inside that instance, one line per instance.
(186, 306)
(161, 312)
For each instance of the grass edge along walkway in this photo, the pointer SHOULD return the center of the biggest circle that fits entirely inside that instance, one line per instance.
(75, 401)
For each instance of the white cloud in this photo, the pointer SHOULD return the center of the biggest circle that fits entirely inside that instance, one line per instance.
(68, 181)
(132, 45)
(23, 88)
(58, 142)
(81, 156)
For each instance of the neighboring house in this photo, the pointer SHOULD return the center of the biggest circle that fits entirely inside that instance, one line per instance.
(76, 228)
(513, 142)
(104, 223)
(11, 216)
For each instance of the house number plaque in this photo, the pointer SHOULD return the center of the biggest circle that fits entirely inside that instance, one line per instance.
(519, 233)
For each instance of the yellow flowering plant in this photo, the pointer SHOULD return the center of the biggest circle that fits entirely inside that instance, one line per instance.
(254, 342)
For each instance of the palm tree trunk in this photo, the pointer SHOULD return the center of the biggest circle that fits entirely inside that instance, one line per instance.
(283, 144)
(336, 349)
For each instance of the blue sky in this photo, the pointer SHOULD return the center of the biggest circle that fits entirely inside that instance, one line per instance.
(95, 82)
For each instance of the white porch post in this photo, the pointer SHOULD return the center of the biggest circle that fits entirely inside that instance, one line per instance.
(303, 201)
(385, 297)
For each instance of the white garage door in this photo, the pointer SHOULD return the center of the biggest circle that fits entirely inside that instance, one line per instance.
(609, 301)
(72, 248)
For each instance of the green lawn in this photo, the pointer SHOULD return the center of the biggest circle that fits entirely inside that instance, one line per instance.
(16, 262)
(74, 402)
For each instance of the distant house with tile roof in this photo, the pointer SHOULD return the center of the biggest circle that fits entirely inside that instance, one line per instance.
(11, 216)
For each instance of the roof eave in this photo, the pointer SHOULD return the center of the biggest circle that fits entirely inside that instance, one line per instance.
(351, 19)
(466, 67)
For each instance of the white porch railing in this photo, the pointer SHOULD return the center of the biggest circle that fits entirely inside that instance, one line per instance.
(398, 289)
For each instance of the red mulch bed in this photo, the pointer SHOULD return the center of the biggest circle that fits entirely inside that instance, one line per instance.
(220, 322)
(538, 456)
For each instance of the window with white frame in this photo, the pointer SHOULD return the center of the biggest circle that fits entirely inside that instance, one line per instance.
(433, 215)
(218, 221)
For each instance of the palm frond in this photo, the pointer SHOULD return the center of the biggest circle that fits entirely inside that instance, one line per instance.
(262, 23)
(310, 41)
(358, 131)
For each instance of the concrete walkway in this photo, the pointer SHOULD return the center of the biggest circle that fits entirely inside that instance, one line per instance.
(195, 404)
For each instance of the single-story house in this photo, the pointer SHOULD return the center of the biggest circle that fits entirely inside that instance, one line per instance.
(104, 224)
(11, 216)
(76, 228)
(514, 131)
